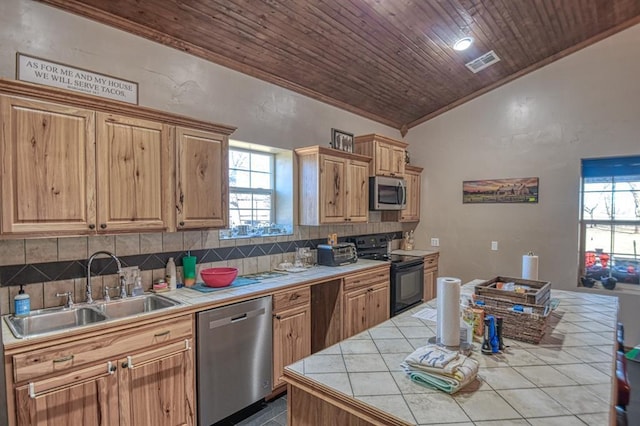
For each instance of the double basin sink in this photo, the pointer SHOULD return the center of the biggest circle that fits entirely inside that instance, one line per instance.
(59, 319)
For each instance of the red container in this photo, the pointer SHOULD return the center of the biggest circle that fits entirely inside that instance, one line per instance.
(218, 277)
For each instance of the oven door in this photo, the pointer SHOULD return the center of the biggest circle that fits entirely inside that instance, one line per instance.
(407, 287)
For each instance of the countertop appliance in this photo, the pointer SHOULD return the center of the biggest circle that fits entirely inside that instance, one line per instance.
(337, 254)
(387, 193)
(234, 358)
(407, 272)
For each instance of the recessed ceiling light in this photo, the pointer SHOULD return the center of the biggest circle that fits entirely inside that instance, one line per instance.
(463, 43)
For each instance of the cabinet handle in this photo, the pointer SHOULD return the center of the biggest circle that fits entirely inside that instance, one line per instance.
(92, 226)
(164, 333)
(111, 368)
(181, 224)
(128, 363)
(277, 317)
(103, 225)
(294, 296)
(64, 359)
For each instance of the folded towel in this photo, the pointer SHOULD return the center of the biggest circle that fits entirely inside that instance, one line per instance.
(431, 356)
(453, 376)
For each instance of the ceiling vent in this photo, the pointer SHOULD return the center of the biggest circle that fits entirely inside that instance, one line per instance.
(483, 62)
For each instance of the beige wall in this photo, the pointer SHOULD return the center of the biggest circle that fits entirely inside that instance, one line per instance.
(542, 124)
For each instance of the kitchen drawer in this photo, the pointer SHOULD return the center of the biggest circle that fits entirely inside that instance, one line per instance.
(431, 261)
(367, 278)
(286, 299)
(67, 356)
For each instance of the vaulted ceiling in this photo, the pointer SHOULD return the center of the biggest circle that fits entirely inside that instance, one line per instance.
(388, 60)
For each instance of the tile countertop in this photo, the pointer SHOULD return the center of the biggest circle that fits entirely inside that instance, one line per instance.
(566, 379)
(194, 300)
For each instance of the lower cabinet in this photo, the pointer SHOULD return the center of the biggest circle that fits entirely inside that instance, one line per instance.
(291, 330)
(366, 301)
(94, 382)
(85, 397)
(430, 276)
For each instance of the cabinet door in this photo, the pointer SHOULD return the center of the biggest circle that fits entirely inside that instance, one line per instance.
(87, 397)
(355, 311)
(398, 161)
(332, 189)
(157, 387)
(357, 191)
(379, 304)
(291, 339)
(389, 159)
(202, 185)
(48, 167)
(133, 174)
(412, 212)
(430, 284)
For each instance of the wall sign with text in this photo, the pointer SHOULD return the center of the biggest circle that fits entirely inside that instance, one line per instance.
(49, 73)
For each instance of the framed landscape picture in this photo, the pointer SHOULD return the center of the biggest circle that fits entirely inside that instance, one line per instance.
(513, 190)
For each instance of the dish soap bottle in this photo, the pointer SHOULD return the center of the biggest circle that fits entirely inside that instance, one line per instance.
(137, 286)
(170, 273)
(22, 303)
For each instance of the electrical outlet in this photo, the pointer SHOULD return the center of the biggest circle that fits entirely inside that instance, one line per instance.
(494, 245)
(435, 242)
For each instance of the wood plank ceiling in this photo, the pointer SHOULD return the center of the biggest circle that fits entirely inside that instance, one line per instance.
(388, 60)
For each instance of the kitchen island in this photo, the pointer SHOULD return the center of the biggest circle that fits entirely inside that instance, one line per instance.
(566, 379)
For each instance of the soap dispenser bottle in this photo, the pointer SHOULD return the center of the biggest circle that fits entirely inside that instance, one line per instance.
(22, 303)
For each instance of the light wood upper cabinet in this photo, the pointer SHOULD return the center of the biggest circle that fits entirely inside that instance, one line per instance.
(413, 177)
(134, 174)
(333, 186)
(388, 154)
(202, 179)
(48, 167)
(357, 191)
(333, 182)
(74, 164)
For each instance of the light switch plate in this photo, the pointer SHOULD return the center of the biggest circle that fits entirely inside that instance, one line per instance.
(435, 242)
(494, 245)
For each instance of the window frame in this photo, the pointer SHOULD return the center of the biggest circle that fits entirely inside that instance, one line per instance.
(254, 191)
(627, 168)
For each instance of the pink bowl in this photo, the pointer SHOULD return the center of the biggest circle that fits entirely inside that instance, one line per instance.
(218, 277)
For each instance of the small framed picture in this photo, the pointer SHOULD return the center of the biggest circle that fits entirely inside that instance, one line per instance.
(341, 140)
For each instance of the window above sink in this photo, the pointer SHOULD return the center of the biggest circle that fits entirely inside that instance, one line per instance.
(260, 191)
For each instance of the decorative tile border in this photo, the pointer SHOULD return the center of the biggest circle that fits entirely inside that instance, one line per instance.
(54, 271)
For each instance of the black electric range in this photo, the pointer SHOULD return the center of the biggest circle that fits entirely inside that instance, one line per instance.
(375, 247)
(407, 273)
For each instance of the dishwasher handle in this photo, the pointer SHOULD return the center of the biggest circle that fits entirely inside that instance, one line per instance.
(236, 318)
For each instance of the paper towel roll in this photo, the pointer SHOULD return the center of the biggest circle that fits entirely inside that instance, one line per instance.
(530, 267)
(448, 311)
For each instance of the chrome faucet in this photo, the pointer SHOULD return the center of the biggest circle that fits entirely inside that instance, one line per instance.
(89, 298)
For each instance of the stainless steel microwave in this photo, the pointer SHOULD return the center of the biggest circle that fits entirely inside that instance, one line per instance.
(387, 193)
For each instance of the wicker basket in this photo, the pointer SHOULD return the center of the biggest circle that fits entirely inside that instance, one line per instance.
(522, 326)
(539, 293)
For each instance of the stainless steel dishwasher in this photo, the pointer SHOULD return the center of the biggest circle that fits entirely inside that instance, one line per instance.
(234, 363)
